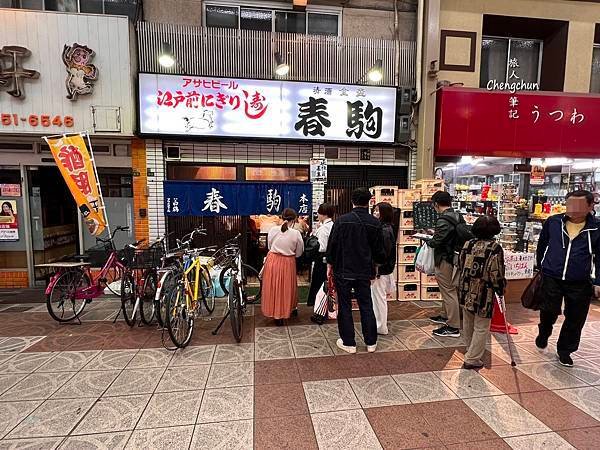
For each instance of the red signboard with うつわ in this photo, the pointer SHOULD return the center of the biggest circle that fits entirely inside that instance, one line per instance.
(478, 122)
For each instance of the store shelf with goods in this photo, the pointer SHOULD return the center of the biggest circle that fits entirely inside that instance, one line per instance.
(430, 293)
(409, 292)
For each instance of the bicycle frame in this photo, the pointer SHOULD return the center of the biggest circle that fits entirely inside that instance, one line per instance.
(95, 289)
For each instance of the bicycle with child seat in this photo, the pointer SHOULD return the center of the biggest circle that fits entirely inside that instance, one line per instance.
(139, 282)
(72, 285)
(234, 279)
(193, 290)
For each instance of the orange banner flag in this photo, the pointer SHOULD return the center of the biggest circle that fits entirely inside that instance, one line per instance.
(77, 168)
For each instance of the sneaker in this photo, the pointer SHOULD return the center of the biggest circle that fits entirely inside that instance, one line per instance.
(472, 366)
(439, 319)
(371, 348)
(565, 359)
(541, 342)
(447, 331)
(346, 348)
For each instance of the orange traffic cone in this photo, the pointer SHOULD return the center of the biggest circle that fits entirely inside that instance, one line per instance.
(499, 324)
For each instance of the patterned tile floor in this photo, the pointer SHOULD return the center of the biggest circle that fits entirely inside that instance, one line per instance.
(104, 385)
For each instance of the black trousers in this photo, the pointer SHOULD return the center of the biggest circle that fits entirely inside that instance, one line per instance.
(577, 296)
(362, 291)
(319, 276)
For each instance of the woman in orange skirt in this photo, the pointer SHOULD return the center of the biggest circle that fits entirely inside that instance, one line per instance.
(279, 283)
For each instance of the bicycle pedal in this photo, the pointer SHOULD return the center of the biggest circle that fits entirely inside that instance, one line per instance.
(88, 300)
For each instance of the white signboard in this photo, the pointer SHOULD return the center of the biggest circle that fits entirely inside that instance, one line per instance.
(518, 266)
(209, 106)
(318, 170)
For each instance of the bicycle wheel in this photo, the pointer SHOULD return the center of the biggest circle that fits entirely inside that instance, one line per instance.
(180, 323)
(147, 309)
(236, 315)
(164, 291)
(208, 291)
(252, 293)
(113, 280)
(61, 302)
(128, 298)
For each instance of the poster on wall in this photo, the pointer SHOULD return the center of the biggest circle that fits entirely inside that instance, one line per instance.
(9, 222)
(227, 107)
(10, 190)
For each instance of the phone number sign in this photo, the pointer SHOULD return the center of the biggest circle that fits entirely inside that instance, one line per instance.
(35, 120)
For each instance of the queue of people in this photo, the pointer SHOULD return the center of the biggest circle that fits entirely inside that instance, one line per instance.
(358, 253)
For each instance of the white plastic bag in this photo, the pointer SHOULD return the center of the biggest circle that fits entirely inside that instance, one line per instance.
(425, 261)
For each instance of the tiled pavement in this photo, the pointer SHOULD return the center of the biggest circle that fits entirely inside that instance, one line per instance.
(99, 385)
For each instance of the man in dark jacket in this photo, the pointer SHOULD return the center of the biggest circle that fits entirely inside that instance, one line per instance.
(568, 253)
(355, 246)
(443, 244)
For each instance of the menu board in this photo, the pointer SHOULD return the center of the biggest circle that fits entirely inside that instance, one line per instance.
(424, 215)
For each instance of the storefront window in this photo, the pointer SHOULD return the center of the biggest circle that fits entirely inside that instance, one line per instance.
(91, 6)
(116, 184)
(200, 173)
(595, 80)
(61, 5)
(505, 60)
(277, 174)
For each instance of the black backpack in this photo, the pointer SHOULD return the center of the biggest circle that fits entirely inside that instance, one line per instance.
(311, 248)
(463, 232)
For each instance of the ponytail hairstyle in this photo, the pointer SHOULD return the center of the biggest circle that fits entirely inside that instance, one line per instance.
(288, 215)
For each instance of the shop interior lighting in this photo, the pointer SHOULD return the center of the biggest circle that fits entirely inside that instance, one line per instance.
(375, 73)
(166, 57)
(281, 67)
(590, 164)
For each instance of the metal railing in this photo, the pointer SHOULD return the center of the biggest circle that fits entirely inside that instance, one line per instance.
(250, 54)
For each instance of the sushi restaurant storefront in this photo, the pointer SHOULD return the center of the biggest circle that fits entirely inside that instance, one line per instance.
(230, 154)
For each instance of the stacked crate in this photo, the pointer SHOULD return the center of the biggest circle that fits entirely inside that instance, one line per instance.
(409, 280)
(429, 287)
(386, 194)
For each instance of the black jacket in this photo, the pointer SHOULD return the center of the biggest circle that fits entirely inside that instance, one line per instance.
(389, 245)
(570, 260)
(356, 245)
(444, 238)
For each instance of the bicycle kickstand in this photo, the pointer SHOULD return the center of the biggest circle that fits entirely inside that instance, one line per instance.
(214, 333)
(117, 316)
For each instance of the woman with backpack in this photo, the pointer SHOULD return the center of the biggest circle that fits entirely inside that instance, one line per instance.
(319, 271)
(481, 279)
(280, 284)
(384, 281)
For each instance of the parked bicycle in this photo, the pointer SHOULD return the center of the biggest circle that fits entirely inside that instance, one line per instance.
(235, 281)
(140, 278)
(192, 291)
(72, 285)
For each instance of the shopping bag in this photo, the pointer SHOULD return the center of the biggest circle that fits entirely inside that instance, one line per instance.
(321, 303)
(331, 299)
(532, 295)
(425, 261)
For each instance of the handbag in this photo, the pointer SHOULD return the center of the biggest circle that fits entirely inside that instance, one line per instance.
(533, 296)
(311, 248)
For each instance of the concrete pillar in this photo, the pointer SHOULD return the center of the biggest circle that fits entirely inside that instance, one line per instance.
(426, 125)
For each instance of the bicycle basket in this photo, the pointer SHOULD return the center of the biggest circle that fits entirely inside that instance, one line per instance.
(147, 258)
(224, 256)
(99, 254)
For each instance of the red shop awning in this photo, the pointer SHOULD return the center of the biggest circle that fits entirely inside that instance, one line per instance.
(478, 122)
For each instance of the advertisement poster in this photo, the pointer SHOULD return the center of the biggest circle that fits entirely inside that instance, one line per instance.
(9, 223)
(318, 170)
(10, 190)
(77, 168)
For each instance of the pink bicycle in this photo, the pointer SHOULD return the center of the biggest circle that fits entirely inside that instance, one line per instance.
(72, 286)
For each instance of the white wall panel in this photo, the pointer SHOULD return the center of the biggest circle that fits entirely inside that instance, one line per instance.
(45, 34)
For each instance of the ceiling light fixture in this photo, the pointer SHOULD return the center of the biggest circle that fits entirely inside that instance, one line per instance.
(375, 73)
(166, 57)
